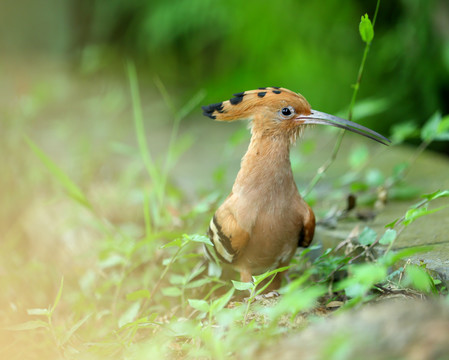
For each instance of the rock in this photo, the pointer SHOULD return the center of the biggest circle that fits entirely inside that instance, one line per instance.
(410, 329)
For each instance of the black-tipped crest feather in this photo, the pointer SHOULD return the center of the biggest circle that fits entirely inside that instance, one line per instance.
(208, 110)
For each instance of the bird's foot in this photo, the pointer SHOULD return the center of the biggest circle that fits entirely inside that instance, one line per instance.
(270, 295)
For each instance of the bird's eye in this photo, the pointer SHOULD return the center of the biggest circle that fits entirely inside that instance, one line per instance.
(287, 111)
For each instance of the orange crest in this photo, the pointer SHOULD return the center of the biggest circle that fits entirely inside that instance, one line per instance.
(247, 104)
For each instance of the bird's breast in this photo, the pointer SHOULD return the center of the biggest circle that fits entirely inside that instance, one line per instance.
(274, 226)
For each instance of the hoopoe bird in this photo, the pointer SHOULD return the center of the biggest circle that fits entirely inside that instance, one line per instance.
(264, 219)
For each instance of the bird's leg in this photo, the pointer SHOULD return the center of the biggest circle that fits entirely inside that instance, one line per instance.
(271, 290)
(275, 284)
(246, 276)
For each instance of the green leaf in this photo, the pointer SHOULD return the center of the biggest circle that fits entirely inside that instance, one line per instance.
(413, 214)
(39, 312)
(73, 329)
(198, 238)
(195, 272)
(392, 224)
(297, 300)
(369, 273)
(29, 325)
(435, 195)
(370, 106)
(129, 315)
(419, 278)
(354, 290)
(142, 322)
(388, 237)
(443, 129)
(111, 261)
(176, 279)
(172, 291)
(404, 192)
(374, 177)
(391, 258)
(187, 328)
(259, 278)
(366, 29)
(221, 302)
(358, 156)
(242, 286)
(139, 294)
(200, 305)
(174, 243)
(404, 131)
(430, 129)
(198, 283)
(367, 237)
(297, 283)
(358, 186)
(362, 278)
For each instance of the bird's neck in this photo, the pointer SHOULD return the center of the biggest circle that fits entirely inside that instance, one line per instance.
(266, 164)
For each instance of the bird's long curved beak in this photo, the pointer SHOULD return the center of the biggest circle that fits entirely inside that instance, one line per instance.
(320, 118)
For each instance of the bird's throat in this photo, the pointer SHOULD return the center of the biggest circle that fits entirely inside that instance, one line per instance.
(266, 164)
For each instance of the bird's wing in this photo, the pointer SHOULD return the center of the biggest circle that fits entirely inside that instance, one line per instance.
(308, 229)
(226, 234)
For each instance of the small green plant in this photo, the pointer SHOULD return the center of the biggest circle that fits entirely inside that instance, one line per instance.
(213, 307)
(59, 336)
(158, 174)
(364, 277)
(146, 292)
(253, 287)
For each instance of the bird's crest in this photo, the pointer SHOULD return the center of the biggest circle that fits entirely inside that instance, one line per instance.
(242, 104)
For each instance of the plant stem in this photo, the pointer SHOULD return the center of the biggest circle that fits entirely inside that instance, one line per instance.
(155, 289)
(250, 301)
(323, 168)
(173, 135)
(142, 140)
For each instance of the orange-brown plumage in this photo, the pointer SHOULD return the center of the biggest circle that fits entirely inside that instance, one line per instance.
(264, 219)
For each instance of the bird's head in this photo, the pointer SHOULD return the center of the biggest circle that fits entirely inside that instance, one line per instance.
(280, 112)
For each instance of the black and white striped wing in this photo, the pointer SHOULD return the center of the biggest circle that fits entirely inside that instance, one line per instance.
(228, 238)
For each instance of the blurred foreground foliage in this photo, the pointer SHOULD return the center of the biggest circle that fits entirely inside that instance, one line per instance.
(101, 256)
(125, 277)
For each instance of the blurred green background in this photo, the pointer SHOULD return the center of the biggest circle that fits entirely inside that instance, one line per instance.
(64, 85)
(230, 46)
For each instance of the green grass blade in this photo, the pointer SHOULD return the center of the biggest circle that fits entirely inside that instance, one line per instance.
(70, 187)
(58, 296)
(29, 325)
(150, 166)
(146, 214)
(138, 122)
(74, 329)
(192, 104)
